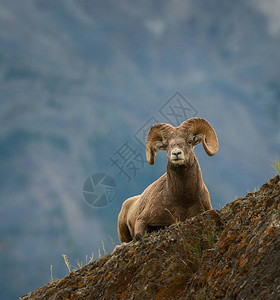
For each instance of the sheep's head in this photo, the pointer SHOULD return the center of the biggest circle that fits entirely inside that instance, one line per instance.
(180, 141)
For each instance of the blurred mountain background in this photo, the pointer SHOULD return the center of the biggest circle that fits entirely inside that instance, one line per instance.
(79, 80)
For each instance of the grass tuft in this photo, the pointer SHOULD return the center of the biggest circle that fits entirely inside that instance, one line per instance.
(112, 240)
(65, 257)
(104, 250)
(79, 264)
(52, 273)
(277, 166)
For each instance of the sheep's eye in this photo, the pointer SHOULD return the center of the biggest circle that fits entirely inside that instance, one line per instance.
(165, 144)
(190, 142)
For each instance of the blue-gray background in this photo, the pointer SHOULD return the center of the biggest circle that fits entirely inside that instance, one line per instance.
(79, 78)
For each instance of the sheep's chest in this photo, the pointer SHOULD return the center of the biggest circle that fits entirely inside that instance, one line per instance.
(167, 215)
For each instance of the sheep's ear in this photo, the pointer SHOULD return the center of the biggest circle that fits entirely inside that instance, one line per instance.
(197, 139)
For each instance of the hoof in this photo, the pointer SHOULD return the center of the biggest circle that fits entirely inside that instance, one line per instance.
(117, 247)
(138, 237)
(121, 246)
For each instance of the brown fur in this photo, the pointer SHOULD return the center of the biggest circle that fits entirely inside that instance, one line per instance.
(177, 195)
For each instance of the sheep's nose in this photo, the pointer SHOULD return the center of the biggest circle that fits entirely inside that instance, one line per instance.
(176, 152)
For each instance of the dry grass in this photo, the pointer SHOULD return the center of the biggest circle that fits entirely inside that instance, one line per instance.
(277, 166)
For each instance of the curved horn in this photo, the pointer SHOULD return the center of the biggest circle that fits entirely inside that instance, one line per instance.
(156, 133)
(201, 126)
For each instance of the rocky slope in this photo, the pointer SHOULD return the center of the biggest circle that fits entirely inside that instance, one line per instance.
(229, 254)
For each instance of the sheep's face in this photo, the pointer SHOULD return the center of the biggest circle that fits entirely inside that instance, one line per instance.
(180, 151)
(179, 146)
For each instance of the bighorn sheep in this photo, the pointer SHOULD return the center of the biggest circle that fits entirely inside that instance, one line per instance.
(178, 194)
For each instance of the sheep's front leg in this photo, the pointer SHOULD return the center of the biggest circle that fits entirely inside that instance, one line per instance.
(140, 228)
